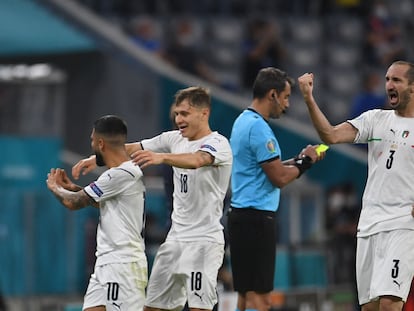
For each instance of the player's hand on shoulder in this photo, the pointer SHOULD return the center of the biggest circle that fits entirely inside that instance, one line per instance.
(84, 166)
(144, 158)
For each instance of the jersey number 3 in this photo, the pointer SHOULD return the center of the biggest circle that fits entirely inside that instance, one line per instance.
(390, 159)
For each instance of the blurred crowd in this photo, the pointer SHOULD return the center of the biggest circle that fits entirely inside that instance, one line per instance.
(226, 42)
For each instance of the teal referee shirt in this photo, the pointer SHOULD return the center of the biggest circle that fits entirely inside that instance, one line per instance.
(253, 142)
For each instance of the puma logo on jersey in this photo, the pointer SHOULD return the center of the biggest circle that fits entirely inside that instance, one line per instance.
(399, 284)
(199, 296)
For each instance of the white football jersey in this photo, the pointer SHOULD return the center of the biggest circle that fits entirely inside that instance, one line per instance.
(120, 194)
(198, 193)
(389, 192)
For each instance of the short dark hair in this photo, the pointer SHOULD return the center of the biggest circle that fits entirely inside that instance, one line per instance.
(197, 96)
(270, 78)
(112, 127)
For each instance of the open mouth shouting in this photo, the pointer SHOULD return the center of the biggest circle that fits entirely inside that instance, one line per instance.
(393, 98)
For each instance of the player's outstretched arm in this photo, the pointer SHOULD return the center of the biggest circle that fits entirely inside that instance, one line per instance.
(84, 166)
(87, 165)
(329, 134)
(194, 160)
(72, 200)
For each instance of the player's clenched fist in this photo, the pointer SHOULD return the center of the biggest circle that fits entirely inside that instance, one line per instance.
(306, 84)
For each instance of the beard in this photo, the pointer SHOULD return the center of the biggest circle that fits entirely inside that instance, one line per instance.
(99, 159)
(403, 101)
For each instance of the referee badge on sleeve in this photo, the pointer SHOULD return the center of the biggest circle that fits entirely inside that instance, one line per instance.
(270, 145)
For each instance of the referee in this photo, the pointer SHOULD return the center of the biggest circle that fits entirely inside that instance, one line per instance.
(258, 173)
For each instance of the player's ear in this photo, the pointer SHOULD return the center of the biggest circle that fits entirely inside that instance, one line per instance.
(206, 112)
(101, 144)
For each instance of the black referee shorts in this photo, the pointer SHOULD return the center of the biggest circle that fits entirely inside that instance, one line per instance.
(252, 239)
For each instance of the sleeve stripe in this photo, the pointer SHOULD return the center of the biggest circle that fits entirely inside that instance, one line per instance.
(122, 169)
(269, 160)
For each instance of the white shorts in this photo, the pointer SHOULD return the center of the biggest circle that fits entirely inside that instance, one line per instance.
(185, 271)
(385, 265)
(119, 286)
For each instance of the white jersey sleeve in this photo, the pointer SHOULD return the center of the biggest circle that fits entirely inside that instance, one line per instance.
(217, 146)
(162, 142)
(364, 123)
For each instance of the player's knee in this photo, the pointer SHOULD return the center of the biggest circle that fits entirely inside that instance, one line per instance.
(390, 303)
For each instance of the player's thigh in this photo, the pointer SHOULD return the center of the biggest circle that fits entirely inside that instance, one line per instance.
(185, 271)
(394, 266)
(384, 265)
(116, 285)
(201, 263)
(364, 268)
(166, 283)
